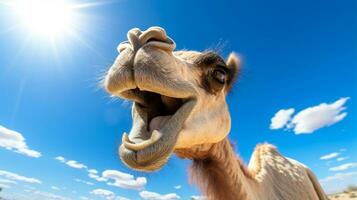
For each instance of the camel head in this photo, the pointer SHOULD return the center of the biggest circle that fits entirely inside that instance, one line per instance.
(179, 97)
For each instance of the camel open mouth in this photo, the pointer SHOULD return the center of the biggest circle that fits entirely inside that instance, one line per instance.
(157, 121)
(158, 109)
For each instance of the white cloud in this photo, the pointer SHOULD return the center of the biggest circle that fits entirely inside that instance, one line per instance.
(82, 181)
(329, 156)
(61, 159)
(16, 177)
(94, 175)
(54, 188)
(2, 185)
(103, 193)
(121, 198)
(7, 181)
(49, 196)
(14, 141)
(75, 164)
(118, 179)
(106, 194)
(155, 196)
(177, 187)
(312, 118)
(92, 171)
(343, 167)
(71, 163)
(198, 197)
(124, 180)
(281, 118)
(316, 117)
(338, 182)
(342, 158)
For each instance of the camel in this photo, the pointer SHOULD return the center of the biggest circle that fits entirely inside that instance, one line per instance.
(179, 106)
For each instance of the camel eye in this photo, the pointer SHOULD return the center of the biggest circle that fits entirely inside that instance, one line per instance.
(220, 75)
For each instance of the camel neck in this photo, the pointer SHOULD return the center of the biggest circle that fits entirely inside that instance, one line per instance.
(219, 172)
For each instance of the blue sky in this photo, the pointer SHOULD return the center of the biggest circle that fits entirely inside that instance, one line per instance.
(297, 56)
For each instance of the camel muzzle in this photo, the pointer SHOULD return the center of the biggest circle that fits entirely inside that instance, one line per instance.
(145, 72)
(151, 153)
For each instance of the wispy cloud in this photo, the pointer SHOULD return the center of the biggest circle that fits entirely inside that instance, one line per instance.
(2, 185)
(16, 177)
(147, 195)
(177, 187)
(118, 179)
(337, 176)
(342, 158)
(7, 181)
(281, 118)
(54, 188)
(198, 197)
(92, 173)
(339, 181)
(103, 193)
(343, 167)
(82, 181)
(111, 177)
(49, 196)
(312, 118)
(124, 180)
(329, 156)
(14, 141)
(61, 159)
(76, 164)
(71, 163)
(107, 194)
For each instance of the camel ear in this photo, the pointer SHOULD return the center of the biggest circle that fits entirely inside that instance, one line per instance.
(233, 64)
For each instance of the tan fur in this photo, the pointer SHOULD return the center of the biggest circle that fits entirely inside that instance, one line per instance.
(148, 62)
(215, 172)
(221, 174)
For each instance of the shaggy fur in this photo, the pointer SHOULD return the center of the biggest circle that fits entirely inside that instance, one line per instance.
(216, 175)
(221, 174)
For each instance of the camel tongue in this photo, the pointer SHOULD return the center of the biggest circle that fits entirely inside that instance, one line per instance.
(158, 122)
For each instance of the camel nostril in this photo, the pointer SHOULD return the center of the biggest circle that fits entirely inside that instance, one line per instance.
(153, 33)
(154, 36)
(154, 40)
(167, 45)
(122, 46)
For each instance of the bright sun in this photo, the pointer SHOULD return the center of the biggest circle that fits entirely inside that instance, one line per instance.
(45, 17)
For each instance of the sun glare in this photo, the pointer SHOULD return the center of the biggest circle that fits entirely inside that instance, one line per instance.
(45, 17)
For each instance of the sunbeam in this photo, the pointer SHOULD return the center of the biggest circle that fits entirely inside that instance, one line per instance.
(54, 24)
(46, 18)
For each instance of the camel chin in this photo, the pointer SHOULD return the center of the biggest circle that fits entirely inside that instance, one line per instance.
(171, 91)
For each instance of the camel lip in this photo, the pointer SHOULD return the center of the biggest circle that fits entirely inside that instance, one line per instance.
(152, 153)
